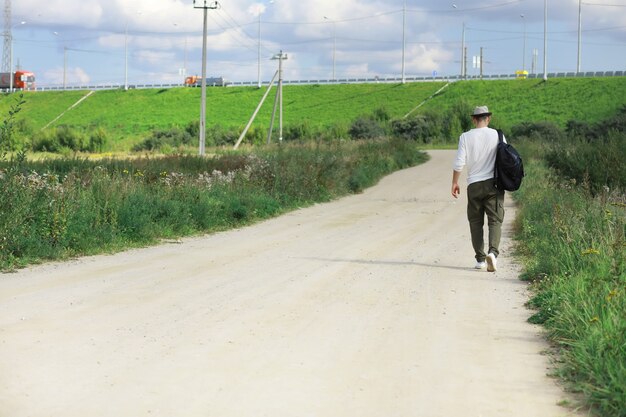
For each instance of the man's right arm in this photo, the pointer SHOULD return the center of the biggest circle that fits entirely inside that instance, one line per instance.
(456, 189)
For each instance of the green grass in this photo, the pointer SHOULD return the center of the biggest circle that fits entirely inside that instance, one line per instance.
(573, 246)
(57, 208)
(130, 115)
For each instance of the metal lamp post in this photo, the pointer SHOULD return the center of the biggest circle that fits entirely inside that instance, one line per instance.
(463, 53)
(334, 44)
(545, 40)
(524, 44)
(580, 24)
(403, 38)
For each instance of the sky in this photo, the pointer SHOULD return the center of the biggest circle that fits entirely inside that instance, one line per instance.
(95, 42)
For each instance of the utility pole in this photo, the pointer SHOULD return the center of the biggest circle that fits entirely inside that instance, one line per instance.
(403, 38)
(545, 40)
(463, 54)
(524, 45)
(6, 51)
(480, 63)
(334, 44)
(259, 54)
(278, 100)
(126, 57)
(205, 5)
(7, 55)
(580, 27)
(64, 67)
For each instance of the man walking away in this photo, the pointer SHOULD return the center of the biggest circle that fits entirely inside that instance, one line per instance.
(477, 151)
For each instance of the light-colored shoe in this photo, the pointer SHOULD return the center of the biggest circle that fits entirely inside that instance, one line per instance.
(480, 265)
(492, 263)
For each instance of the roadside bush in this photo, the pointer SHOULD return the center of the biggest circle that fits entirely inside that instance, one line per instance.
(366, 128)
(9, 125)
(193, 128)
(579, 130)
(596, 164)
(381, 114)
(300, 131)
(422, 128)
(70, 138)
(97, 140)
(592, 156)
(617, 122)
(460, 111)
(66, 138)
(221, 136)
(173, 138)
(546, 132)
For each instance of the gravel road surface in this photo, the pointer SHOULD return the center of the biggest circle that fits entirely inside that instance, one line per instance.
(366, 306)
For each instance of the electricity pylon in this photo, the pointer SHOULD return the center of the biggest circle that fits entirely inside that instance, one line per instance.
(6, 50)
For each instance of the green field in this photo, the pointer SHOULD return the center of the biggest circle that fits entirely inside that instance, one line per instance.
(132, 114)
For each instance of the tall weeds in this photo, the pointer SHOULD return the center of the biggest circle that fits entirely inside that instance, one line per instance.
(58, 208)
(572, 237)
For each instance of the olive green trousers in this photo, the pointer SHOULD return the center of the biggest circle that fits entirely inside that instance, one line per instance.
(484, 199)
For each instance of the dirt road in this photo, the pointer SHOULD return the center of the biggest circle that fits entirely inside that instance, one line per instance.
(367, 306)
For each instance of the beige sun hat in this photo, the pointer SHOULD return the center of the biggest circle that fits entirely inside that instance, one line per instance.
(481, 111)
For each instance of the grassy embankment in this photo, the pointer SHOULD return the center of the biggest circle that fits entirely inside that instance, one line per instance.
(127, 117)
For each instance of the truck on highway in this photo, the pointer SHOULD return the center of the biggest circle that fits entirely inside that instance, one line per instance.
(22, 80)
(195, 81)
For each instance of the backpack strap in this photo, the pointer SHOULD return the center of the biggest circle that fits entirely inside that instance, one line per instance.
(495, 166)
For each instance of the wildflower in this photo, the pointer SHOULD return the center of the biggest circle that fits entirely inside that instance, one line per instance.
(594, 319)
(591, 251)
(612, 294)
(125, 171)
(138, 173)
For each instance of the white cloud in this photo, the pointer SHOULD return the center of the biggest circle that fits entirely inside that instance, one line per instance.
(368, 35)
(72, 76)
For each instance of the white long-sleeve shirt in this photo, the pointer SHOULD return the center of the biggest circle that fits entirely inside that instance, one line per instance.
(477, 151)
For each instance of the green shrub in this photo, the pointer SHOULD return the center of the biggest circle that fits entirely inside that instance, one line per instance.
(70, 138)
(218, 135)
(366, 128)
(422, 128)
(545, 131)
(597, 164)
(45, 141)
(381, 114)
(97, 140)
(65, 138)
(300, 131)
(8, 141)
(173, 137)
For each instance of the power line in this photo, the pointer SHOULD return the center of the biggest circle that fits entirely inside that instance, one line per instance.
(604, 5)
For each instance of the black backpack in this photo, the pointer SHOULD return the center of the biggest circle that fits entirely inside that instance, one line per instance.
(509, 169)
